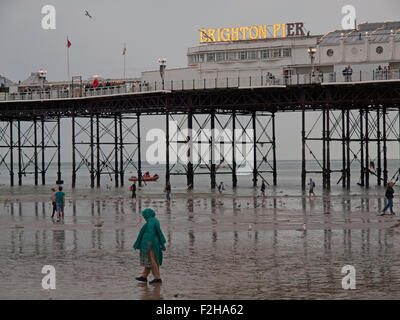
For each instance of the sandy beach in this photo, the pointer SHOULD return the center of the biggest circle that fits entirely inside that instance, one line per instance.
(234, 247)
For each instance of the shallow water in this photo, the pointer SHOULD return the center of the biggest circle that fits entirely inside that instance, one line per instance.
(233, 247)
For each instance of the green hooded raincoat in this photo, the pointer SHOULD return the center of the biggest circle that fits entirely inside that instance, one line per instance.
(150, 236)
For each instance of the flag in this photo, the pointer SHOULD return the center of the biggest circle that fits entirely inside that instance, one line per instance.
(95, 83)
(124, 51)
(68, 43)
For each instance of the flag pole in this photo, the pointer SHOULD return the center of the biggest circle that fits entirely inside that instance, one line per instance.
(68, 60)
(124, 58)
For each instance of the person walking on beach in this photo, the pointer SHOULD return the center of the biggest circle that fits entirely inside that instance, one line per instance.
(389, 196)
(167, 189)
(220, 188)
(53, 201)
(311, 186)
(60, 199)
(263, 187)
(151, 243)
(133, 189)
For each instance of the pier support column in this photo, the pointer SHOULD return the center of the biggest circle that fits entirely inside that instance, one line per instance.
(58, 150)
(343, 148)
(19, 153)
(328, 152)
(362, 170)
(212, 152)
(167, 173)
(234, 177)
(121, 152)
(73, 152)
(116, 150)
(189, 139)
(324, 149)
(384, 138)
(98, 171)
(378, 151)
(303, 149)
(11, 155)
(91, 152)
(139, 170)
(255, 173)
(348, 173)
(35, 155)
(43, 154)
(366, 166)
(274, 174)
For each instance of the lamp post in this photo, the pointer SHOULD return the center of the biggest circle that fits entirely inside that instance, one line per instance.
(311, 52)
(163, 65)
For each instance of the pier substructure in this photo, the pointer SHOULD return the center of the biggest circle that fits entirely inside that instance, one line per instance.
(34, 144)
(106, 146)
(222, 143)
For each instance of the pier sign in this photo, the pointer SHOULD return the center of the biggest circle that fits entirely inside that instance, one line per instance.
(252, 32)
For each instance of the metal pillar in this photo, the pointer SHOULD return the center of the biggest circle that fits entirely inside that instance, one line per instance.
(116, 150)
(385, 171)
(139, 151)
(234, 177)
(274, 174)
(98, 171)
(19, 153)
(121, 152)
(35, 151)
(91, 152)
(11, 154)
(189, 175)
(366, 166)
(328, 152)
(348, 148)
(73, 152)
(58, 151)
(362, 170)
(43, 155)
(255, 173)
(323, 149)
(378, 151)
(167, 173)
(212, 154)
(343, 149)
(303, 149)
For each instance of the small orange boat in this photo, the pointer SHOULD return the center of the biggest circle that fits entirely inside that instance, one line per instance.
(146, 177)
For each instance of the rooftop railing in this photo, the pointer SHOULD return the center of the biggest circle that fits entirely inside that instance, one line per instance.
(317, 78)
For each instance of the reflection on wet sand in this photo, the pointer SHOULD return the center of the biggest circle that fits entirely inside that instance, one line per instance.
(293, 247)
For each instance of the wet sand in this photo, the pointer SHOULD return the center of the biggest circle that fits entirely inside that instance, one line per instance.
(233, 247)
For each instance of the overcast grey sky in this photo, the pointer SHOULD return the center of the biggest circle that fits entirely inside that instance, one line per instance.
(152, 29)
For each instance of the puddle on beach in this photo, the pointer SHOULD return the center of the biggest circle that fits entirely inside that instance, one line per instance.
(283, 247)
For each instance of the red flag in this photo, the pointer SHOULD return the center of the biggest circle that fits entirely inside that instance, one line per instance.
(68, 43)
(95, 83)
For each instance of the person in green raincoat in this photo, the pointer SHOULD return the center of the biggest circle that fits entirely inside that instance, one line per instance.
(150, 242)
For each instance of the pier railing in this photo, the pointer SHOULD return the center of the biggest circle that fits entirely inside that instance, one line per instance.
(210, 83)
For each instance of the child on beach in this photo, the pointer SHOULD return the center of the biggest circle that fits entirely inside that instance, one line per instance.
(167, 189)
(60, 199)
(263, 187)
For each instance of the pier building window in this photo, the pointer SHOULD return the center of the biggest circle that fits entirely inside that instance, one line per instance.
(231, 56)
(243, 55)
(201, 57)
(252, 55)
(379, 50)
(264, 54)
(329, 53)
(221, 56)
(276, 53)
(287, 52)
(210, 57)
